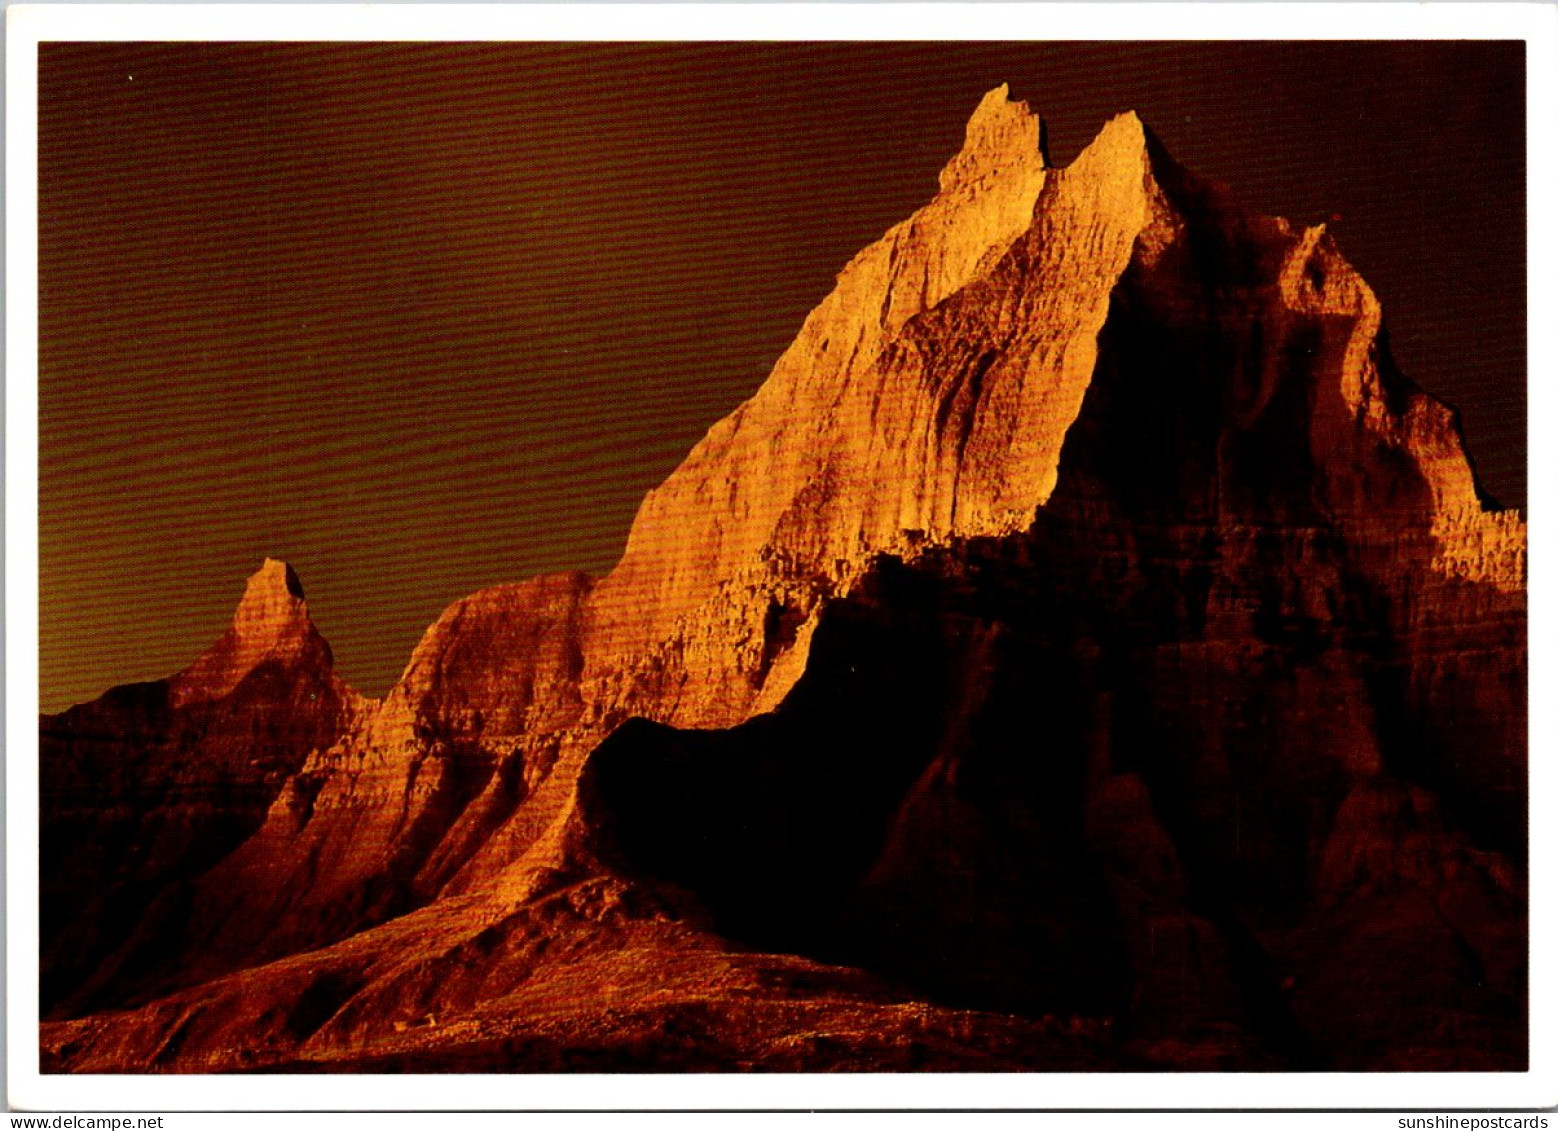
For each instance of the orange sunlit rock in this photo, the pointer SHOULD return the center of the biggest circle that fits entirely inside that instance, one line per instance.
(1086, 650)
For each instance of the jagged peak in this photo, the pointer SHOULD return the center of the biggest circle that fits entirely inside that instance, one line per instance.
(1002, 133)
(272, 601)
(270, 622)
(274, 583)
(274, 570)
(1128, 120)
(1124, 137)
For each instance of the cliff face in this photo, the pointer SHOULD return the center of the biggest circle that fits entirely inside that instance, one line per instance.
(383, 818)
(1084, 620)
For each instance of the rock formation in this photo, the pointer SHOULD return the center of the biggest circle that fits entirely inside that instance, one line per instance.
(1085, 650)
(147, 787)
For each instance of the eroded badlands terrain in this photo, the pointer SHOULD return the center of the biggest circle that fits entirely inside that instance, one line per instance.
(1085, 651)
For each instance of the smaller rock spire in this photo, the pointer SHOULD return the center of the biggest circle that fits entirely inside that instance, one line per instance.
(272, 597)
(270, 623)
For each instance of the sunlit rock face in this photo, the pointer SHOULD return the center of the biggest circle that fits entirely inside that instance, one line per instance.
(1086, 638)
(383, 818)
(145, 788)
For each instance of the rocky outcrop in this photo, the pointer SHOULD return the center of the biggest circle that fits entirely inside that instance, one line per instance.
(1106, 798)
(1085, 628)
(271, 625)
(147, 787)
(796, 489)
(381, 819)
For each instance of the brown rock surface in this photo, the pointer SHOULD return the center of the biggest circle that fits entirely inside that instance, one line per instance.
(1084, 621)
(150, 785)
(383, 817)
(271, 625)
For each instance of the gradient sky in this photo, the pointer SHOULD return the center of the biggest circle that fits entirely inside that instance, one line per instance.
(424, 318)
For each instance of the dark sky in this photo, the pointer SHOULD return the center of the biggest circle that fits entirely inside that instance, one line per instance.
(424, 318)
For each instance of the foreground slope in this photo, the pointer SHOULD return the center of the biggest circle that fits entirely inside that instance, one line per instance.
(1085, 629)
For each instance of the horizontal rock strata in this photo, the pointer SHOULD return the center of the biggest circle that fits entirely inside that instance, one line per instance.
(1086, 637)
